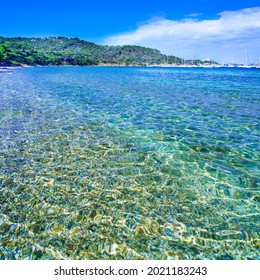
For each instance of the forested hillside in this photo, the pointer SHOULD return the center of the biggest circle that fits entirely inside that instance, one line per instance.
(73, 51)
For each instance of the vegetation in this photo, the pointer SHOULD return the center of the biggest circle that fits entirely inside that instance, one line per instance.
(73, 51)
(16, 51)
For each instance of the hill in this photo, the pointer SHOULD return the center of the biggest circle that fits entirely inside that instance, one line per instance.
(73, 51)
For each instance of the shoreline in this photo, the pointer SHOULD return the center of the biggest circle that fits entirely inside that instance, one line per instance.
(9, 68)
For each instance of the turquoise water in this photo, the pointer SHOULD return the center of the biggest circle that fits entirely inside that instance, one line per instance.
(129, 163)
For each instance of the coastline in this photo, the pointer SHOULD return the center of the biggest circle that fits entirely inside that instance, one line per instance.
(9, 68)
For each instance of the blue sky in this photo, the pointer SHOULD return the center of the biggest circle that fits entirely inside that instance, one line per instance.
(221, 30)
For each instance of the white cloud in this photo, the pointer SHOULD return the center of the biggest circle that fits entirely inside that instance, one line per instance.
(219, 39)
(194, 15)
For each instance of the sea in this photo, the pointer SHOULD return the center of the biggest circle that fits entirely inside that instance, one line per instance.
(129, 163)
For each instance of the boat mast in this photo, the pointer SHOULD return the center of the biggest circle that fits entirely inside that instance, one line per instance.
(246, 57)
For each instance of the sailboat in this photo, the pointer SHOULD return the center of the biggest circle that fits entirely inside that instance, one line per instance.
(246, 65)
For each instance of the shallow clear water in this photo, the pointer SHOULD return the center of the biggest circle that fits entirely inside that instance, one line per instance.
(129, 163)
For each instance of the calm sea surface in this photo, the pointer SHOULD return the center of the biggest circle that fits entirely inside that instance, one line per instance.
(129, 163)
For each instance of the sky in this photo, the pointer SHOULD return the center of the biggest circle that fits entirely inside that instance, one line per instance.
(224, 30)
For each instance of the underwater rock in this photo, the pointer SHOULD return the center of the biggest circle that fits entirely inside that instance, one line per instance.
(140, 230)
(8, 181)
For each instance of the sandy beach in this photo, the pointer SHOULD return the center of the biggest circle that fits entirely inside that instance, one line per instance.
(9, 68)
